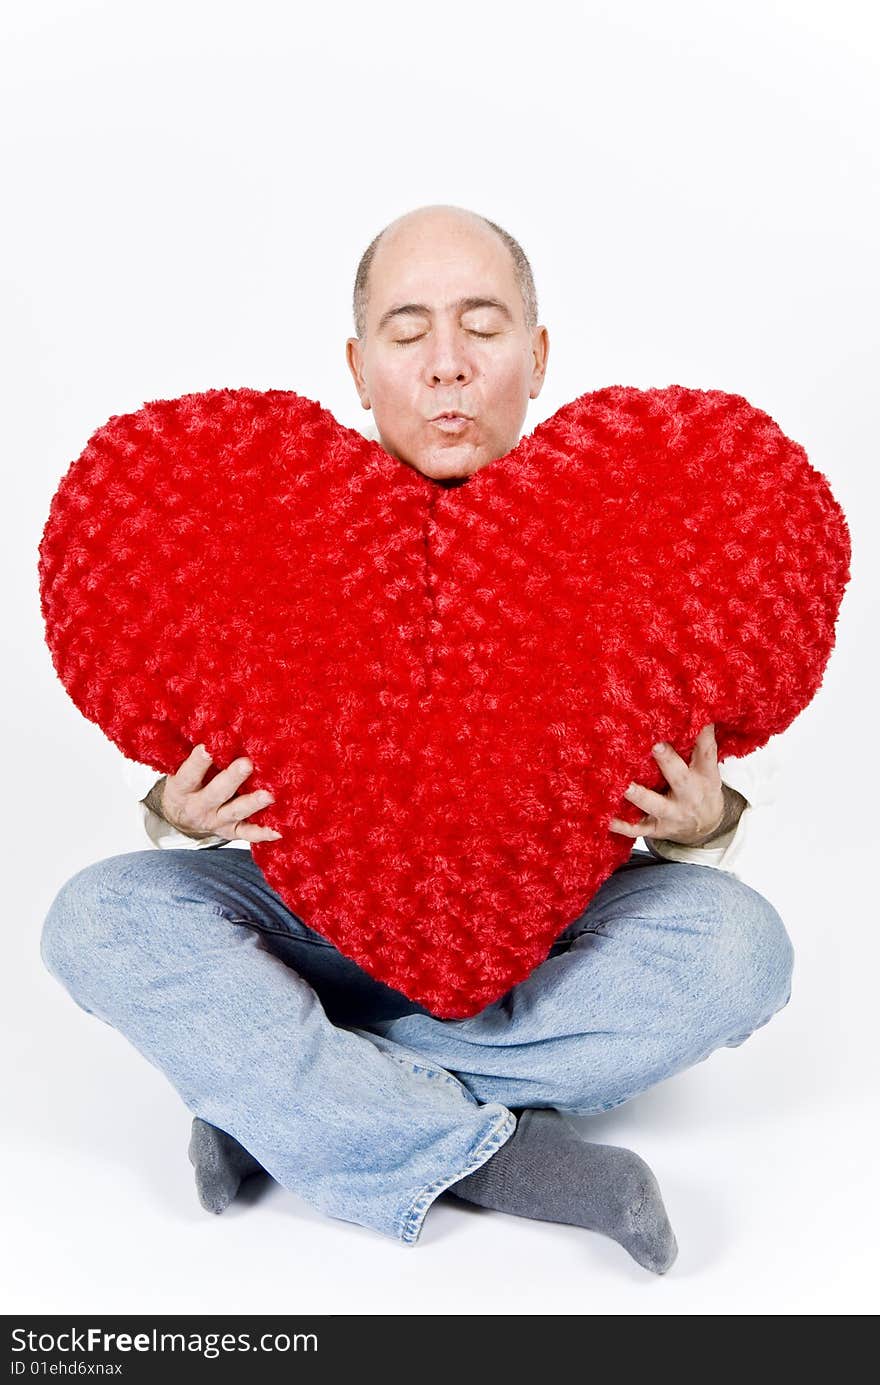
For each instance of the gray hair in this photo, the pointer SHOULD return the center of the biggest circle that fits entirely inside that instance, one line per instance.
(522, 269)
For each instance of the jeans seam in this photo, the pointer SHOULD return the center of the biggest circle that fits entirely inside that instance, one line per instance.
(277, 932)
(573, 937)
(410, 1226)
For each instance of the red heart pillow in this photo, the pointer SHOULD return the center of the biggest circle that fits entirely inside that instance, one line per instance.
(447, 689)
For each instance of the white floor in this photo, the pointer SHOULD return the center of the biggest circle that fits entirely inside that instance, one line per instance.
(766, 1155)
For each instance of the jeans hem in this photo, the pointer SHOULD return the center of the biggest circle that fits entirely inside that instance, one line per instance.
(411, 1226)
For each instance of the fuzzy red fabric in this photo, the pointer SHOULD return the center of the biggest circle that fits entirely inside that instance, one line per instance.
(446, 689)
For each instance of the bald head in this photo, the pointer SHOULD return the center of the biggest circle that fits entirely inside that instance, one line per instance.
(433, 218)
(448, 351)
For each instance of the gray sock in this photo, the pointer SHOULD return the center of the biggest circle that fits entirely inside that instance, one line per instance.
(220, 1163)
(547, 1172)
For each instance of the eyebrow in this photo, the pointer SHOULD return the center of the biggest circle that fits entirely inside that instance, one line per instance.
(463, 304)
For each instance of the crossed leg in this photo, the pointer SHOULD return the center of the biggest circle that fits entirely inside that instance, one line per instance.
(274, 1038)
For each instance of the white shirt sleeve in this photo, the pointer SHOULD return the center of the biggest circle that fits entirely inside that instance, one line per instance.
(754, 776)
(140, 779)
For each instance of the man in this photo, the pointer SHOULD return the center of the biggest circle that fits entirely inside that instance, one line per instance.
(292, 1058)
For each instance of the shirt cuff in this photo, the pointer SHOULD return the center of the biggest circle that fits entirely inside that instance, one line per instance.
(722, 853)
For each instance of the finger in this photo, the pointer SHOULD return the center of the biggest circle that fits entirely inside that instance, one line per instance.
(674, 769)
(241, 807)
(252, 832)
(705, 753)
(225, 784)
(628, 829)
(651, 802)
(248, 803)
(189, 776)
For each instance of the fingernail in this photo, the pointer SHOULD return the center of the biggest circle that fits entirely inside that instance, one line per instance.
(659, 747)
(275, 834)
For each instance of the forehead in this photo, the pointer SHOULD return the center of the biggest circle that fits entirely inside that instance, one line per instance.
(439, 266)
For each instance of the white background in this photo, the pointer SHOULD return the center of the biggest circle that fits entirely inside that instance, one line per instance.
(188, 189)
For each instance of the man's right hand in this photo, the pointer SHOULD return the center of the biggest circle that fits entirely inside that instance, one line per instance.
(211, 810)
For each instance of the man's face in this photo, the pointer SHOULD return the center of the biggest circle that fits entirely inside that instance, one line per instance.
(446, 332)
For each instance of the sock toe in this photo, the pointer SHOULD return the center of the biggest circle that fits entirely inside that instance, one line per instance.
(648, 1237)
(212, 1198)
(220, 1163)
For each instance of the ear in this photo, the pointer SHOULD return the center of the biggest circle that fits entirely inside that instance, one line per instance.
(354, 356)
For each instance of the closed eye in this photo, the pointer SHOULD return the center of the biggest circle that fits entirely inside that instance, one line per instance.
(407, 341)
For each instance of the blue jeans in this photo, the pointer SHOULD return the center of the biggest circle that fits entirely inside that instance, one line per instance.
(361, 1101)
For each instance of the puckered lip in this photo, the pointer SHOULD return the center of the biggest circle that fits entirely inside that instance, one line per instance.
(449, 413)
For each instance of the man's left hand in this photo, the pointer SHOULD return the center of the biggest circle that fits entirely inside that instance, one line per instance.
(693, 809)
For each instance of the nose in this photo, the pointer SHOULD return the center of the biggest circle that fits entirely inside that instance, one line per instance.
(448, 362)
